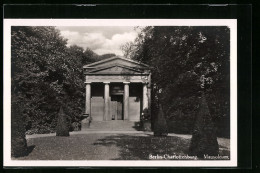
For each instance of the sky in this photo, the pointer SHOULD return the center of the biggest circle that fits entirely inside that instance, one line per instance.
(100, 39)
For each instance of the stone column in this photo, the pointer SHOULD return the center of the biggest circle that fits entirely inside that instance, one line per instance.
(106, 98)
(126, 100)
(146, 112)
(88, 97)
(86, 117)
(149, 94)
(145, 97)
(149, 99)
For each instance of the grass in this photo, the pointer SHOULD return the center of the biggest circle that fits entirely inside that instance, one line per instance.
(106, 147)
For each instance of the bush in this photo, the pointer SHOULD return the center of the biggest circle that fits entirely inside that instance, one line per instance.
(160, 126)
(181, 115)
(204, 139)
(62, 128)
(18, 141)
(75, 126)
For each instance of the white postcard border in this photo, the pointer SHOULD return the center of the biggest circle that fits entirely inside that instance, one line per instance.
(231, 23)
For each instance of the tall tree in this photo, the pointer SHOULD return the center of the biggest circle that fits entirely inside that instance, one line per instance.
(45, 73)
(128, 49)
(89, 56)
(179, 57)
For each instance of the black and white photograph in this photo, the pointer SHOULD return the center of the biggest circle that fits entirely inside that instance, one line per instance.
(120, 92)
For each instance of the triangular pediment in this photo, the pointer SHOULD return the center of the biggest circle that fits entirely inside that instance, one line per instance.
(116, 60)
(116, 69)
(116, 65)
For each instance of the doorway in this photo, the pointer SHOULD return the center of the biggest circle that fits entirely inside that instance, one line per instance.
(117, 107)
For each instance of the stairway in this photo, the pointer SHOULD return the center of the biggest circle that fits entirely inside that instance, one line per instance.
(114, 125)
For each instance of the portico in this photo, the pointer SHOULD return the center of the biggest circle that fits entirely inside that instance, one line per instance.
(117, 89)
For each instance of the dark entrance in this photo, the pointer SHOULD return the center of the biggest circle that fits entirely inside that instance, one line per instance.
(117, 107)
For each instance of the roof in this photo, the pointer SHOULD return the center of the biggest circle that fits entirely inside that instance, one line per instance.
(98, 63)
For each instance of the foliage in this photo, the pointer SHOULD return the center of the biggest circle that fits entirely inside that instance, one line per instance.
(145, 120)
(46, 73)
(62, 128)
(204, 139)
(87, 56)
(18, 141)
(145, 115)
(128, 49)
(105, 56)
(182, 60)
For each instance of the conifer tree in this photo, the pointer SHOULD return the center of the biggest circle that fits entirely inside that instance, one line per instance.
(62, 128)
(204, 139)
(18, 140)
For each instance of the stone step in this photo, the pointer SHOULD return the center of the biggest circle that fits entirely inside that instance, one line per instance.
(116, 125)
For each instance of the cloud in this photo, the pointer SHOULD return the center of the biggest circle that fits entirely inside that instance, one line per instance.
(93, 40)
(73, 37)
(113, 45)
(99, 41)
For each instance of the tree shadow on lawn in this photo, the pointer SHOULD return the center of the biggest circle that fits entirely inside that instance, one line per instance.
(140, 147)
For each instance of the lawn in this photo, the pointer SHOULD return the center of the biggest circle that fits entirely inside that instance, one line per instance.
(108, 147)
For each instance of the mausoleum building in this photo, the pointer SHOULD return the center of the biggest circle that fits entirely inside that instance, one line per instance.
(117, 89)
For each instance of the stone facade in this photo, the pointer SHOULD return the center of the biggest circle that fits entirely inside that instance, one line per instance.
(116, 89)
